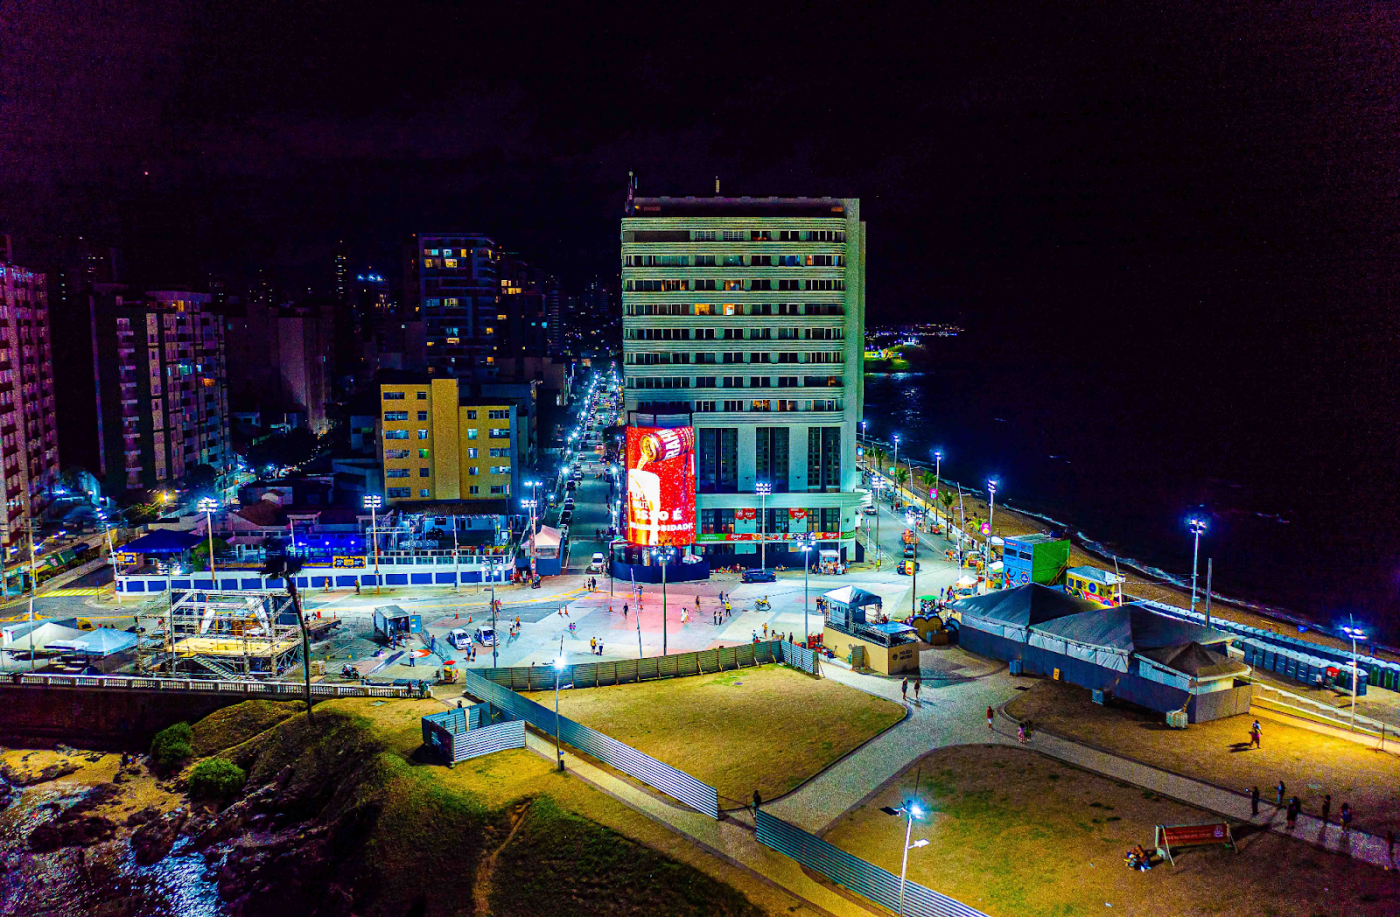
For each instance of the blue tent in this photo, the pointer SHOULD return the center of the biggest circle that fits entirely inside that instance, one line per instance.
(162, 542)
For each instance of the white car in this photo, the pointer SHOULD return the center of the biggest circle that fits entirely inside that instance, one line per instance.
(485, 636)
(459, 639)
(597, 564)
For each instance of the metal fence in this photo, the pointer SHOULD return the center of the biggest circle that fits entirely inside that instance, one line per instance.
(650, 668)
(470, 733)
(675, 783)
(202, 686)
(852, 872)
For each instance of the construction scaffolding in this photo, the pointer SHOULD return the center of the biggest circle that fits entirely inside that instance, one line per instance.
(229, 636)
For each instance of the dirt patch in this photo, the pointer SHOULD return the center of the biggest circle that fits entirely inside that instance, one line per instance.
(1013, 833)
(1309, 764)
(767, 728)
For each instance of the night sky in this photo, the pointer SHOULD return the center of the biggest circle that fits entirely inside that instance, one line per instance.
(1169, 208)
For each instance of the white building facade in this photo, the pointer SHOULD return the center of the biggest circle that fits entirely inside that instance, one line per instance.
(745, 317)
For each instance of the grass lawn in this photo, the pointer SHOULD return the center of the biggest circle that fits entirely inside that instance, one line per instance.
(554, 845)
(1019, 835)
(1309, 764)
(766, 728)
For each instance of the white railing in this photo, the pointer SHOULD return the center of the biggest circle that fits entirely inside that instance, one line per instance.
(126, 683)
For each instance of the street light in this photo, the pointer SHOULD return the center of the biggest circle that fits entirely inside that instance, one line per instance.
(1197, 525)
(937, 477)
(530, 505)
(662, 556)
(911, 810)
(207, 505)
(877, 484)
(372, 503)
(558, 670)
(1355, 633)
(991, 524)
(896, 452)
(111, 554)
(806, 545)
(763, 490)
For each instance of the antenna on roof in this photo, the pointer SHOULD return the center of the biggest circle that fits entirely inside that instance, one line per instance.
(628, 207)
(716, 186)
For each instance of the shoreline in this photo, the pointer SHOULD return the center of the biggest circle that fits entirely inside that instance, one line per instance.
(1150, 583)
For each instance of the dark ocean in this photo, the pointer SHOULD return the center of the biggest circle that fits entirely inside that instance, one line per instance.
(1120, 475)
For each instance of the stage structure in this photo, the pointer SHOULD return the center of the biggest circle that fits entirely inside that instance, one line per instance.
(230, 636)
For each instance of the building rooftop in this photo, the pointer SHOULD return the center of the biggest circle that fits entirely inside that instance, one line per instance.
(829, 207)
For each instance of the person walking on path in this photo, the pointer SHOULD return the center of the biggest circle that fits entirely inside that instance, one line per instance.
(904, 690)
(757, 802)
(990, 713)
(593, 646)
(600, 647)
(1326, 808)
(1255, 732)
(1294, 806)
(918, 682)
(1281, 788)
(1021, 733)
(1346, 818)
(624, 609)
(1254, 800)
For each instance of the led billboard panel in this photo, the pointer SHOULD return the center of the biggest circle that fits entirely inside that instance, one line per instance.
(661, 485)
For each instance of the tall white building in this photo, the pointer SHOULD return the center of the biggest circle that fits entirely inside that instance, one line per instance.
(745, 317)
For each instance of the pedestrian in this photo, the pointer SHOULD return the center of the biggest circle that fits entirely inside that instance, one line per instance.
(757, 801)
(1021, 733)
(624, 609)
(904, 690)
(990, 714)
(1326, 808)
(765, 630)
(1389, 849)
(1346, 818)
(697, 603)
(1254, 800)
(593, 646)
(600, 647)
(918, 683)
(1294, 805)
(1281, 788)
(1255, 731)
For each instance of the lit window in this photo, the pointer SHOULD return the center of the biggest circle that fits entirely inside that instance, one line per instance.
(450, 262)
(424, 492)
(422, 434)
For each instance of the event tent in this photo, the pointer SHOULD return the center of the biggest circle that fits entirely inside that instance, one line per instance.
(101, 642)
(1109, 636)
(1010, 612)
(42, 636)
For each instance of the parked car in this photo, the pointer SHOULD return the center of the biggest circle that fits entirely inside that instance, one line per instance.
(485, 636)
(597, 564)
(870, 510)
(910, 550)
(758, 576)
(565, 516)
(459, 639)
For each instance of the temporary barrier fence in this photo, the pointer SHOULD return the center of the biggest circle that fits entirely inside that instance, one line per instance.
(208, 686)
(860, 876)
(676, 783)
(650, 668)
(470, 733)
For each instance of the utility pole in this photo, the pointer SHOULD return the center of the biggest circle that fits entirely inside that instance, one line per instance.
(288, 568)
(1210, 569)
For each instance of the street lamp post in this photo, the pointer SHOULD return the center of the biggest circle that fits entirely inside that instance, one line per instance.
(1355, 633)
(911, 810)
(896, 451)
(806, 546)
(662, 556)
(937, 479)
(111, 554)
(207, 506)
(558, 670)
(372, 503)
(530, 505)
(991, 524)
(877, 484)
(763, 490)
(1198, 525)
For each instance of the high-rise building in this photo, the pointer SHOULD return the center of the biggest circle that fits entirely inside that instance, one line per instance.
(459, 287)
(279, 360)
(744, 318)
(28, 421)
(152, 367)
(440, 444)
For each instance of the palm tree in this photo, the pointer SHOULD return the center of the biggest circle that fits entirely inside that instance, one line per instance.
(946, 498)
(878, 453)
(901, 477)
(929, 480)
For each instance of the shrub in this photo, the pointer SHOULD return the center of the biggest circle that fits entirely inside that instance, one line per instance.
(215, 778)
(171, 746)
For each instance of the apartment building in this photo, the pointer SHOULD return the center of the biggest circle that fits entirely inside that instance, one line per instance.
(28, 423)
(439, 443)
(744, 317)
(148, 368)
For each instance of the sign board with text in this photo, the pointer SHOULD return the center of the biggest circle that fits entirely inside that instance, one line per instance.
(348, 563)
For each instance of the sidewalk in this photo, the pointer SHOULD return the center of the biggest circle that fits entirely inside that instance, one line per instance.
(1232, 805)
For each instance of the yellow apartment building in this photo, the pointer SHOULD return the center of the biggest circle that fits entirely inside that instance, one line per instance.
(437, 444)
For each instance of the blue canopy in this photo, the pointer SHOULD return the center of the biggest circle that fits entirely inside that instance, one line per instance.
(162, 542)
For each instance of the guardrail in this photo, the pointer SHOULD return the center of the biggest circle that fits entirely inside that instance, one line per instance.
(1310, 707)
(201, 686)
(651, 668)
